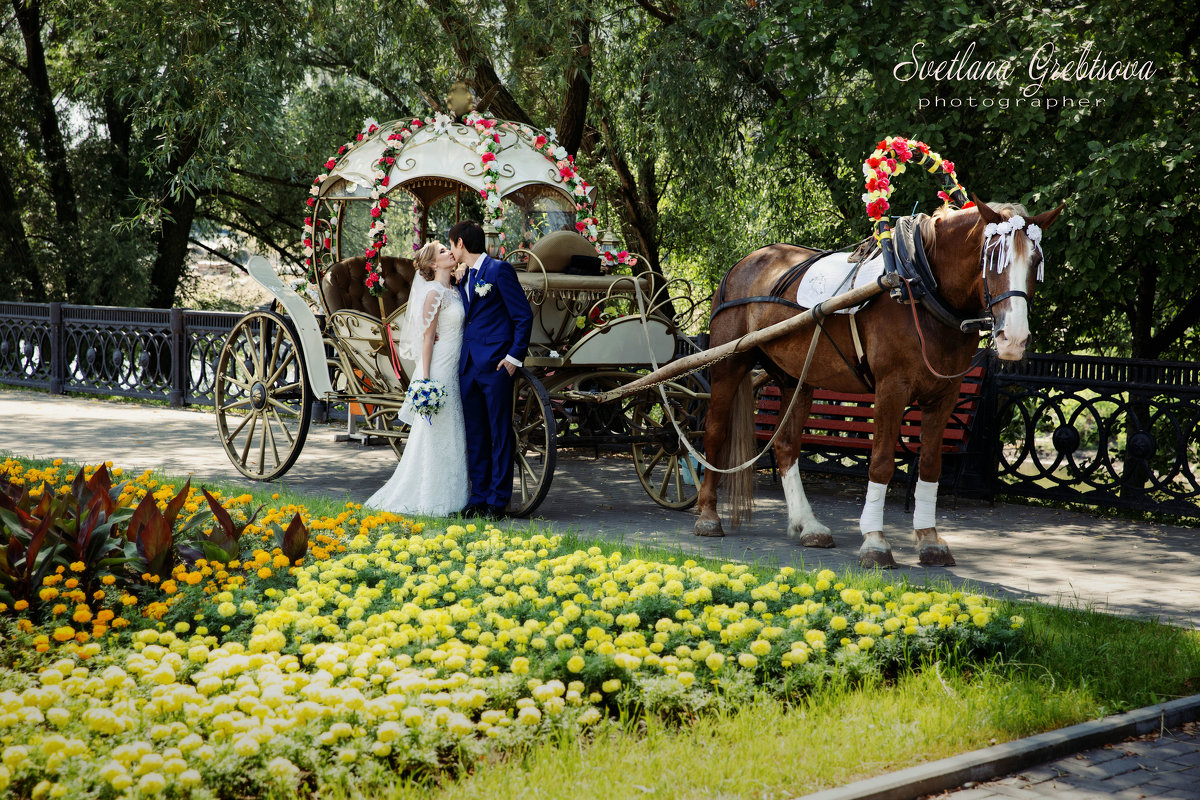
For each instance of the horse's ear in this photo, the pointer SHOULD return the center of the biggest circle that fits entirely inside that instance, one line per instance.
(986, 211)
(1046, 218)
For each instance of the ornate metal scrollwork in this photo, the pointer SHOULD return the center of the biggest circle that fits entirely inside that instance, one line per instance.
(1102, 442)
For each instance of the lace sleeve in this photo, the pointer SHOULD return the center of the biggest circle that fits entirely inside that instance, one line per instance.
(412, 328)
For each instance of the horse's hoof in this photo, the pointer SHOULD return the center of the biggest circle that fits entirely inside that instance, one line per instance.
(876, 552)
(935, 555)
(799, 530)
(709, 527)
(881, 559)
(932, 550)
(817, 539)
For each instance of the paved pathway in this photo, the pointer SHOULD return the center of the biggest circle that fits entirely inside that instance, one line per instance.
(1111, 565)
(1164, 766)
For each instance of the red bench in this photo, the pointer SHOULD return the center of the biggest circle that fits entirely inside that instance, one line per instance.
(841, 428)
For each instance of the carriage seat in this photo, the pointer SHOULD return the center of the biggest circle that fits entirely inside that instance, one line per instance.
(343, 289)
(555, 251)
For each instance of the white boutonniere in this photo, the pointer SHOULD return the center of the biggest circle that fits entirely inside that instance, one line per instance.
(482, 289)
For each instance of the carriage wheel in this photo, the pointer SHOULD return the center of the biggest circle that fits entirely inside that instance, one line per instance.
(535, 452)
(262, 400)
(384, 422)
(664, 465)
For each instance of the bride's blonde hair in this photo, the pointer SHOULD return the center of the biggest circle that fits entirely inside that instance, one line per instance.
(425, 258)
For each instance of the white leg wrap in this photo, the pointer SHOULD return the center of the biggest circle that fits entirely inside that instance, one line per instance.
(872, 514)
(925, 505)
(800, 513)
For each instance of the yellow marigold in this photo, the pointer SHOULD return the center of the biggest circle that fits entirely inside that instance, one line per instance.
(170, 587)
(48, 593)
(20, 605)
(63, 633)
(108, 580)
(78, 566)
(264, 573)
(82, 614)
(59, 608)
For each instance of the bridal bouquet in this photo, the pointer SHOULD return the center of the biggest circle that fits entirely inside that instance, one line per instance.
(426, 397)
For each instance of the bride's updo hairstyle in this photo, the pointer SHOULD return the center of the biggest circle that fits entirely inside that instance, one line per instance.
(424, 260)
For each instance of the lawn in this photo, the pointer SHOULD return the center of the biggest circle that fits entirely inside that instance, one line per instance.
(161, 643)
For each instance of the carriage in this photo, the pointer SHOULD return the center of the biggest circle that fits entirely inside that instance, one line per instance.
(324, 342)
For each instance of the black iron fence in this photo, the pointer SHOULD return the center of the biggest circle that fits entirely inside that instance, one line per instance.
(1110, 432)
(150, 353)
(1100, 431)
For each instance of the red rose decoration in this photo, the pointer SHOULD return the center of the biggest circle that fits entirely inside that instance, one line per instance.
(375, 212)
(330, 163)
(384, 202)
(579, 226)
(948, 167)
(312, 201)
(385, 181)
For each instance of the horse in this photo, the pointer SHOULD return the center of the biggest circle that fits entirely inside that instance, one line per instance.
(914, 358)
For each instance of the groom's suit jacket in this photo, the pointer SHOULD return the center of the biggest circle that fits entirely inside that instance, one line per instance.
(499, 322)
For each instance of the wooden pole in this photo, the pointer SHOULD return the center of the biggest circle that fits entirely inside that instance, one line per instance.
(749, 341)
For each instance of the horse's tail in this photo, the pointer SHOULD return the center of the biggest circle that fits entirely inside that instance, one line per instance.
(739, 448)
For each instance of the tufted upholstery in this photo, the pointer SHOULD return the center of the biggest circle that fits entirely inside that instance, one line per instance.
(343, 288)
(555, 250)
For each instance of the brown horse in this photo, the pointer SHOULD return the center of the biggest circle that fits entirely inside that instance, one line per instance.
(903, 367)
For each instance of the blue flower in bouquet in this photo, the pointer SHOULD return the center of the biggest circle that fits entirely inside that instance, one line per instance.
(427, 397)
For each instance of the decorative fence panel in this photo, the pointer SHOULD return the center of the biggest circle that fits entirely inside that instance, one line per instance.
(1098, 431)
(150, 353)
(1110, 432)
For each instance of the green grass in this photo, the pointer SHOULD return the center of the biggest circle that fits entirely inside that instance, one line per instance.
(1077, 665)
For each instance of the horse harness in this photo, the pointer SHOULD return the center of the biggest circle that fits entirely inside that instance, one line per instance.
(783, 286)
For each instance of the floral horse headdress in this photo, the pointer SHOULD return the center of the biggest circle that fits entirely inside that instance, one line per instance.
(998, 243)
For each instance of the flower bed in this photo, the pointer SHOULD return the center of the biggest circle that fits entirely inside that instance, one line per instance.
(391, 649)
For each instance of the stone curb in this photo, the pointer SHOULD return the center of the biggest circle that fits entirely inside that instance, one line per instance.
(1005, 759)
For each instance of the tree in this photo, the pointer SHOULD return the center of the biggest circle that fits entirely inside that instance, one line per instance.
(1120, 257)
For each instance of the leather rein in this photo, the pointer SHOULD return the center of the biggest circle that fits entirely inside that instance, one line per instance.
(903, 255)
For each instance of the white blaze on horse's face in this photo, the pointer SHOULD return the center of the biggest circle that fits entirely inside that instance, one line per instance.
(1012, 313)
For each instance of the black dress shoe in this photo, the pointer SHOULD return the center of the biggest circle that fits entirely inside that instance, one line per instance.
(497, 512)
(475, 510)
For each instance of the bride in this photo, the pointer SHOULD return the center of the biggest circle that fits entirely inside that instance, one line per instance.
(431, 477)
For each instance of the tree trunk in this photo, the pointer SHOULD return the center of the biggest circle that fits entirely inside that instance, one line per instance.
(1142, 323)
(494, 96)
(573, 120)
(173, 234)
(17, 264)
(54, 151)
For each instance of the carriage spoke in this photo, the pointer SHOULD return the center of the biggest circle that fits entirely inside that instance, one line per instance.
(229, 439)
(653, 462)
(236, 404)
(670, 470)
(262, 443)
(283, 427)
(270, 434)
(249, 437)
(291, 358)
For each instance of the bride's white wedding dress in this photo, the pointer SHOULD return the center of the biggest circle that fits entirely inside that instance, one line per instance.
(431, 477)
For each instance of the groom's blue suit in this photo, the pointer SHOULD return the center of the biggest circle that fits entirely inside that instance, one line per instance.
(498, 324)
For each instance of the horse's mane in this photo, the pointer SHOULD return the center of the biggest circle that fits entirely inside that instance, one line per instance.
(1005, 210)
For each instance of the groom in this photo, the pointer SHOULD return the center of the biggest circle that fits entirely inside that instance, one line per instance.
(495, 338)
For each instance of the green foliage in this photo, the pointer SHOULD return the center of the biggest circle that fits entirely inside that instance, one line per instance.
(44, 531)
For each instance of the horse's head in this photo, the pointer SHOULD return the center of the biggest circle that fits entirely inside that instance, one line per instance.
(1011, 265)
(990, 256)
